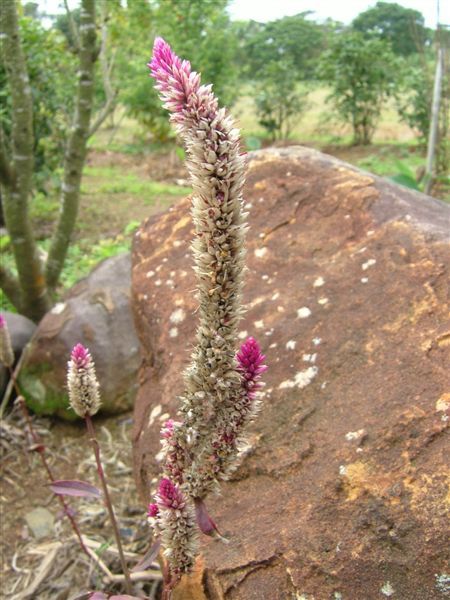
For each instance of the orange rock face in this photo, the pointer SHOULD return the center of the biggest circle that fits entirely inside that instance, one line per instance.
(343, 491)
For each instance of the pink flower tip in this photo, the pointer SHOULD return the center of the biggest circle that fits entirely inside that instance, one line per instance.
(153, 510)
(169, 495)
(80, 356)
(163, 60)
(2, 322)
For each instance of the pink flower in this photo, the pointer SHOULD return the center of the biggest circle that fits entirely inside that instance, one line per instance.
(180, 88)
(167, 429)
(84, 396)
(153, 510)
(81, 356)
(169, 495)
(250, 362)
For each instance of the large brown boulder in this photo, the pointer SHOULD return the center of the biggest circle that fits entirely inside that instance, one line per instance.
(343, 492)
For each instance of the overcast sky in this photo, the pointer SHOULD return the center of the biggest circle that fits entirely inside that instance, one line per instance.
(343, 10)
(269, 10)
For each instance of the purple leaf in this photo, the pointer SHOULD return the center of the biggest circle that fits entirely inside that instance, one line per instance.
(204, 521)
(148, 558)
(124, 597)
(98, 596)
(73, 487)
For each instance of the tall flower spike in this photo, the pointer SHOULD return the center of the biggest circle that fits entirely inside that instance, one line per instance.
(82, 382)
(217, 167)
(6, 351)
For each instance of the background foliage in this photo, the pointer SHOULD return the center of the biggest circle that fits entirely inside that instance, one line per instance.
(274, 76)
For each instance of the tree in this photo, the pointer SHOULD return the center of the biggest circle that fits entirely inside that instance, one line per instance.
(414, 100)
(362, 73)
(403, 27)
(295, 39)
(31, 291)
(50, 70)
(198, 28)
(279, 99)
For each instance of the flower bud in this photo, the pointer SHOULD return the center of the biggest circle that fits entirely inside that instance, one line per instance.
(82, 382)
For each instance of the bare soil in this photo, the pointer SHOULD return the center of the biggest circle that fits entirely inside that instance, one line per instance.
(54, 567)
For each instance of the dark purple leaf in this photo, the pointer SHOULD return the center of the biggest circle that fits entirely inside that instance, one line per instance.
(204, 521)
(73, 487)
(148, 558)
(125, 597)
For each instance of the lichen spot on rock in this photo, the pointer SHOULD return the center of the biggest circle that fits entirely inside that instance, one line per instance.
(319, 282)
(178, 316)
(58, 308)
(368, 263)
(303, 312)
(260, 252)
(156, 411)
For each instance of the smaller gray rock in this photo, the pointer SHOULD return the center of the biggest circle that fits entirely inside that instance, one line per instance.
(20, 330)
(41, 522)
(96, 313)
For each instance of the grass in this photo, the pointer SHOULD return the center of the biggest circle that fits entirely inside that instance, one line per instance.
(110, 180)
(318, 124)
(114, 200)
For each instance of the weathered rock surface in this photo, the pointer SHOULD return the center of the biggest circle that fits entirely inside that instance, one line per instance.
(344, 491)
(96, 312)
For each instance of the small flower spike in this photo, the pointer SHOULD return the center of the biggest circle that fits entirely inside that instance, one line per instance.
(6, 351)
(175, 521)
(222, 456)
(84, 396)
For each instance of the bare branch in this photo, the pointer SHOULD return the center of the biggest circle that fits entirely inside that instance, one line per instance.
(107, 67)
(75, 154)
(73, 27)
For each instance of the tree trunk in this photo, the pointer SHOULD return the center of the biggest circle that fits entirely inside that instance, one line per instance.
(16, 176)
(77, 145)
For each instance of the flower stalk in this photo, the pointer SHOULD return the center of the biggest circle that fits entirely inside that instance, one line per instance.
(84, 398)
(7, 358)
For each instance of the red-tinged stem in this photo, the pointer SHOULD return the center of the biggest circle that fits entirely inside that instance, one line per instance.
(107, 500)
(167, 590)
(41, 451)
